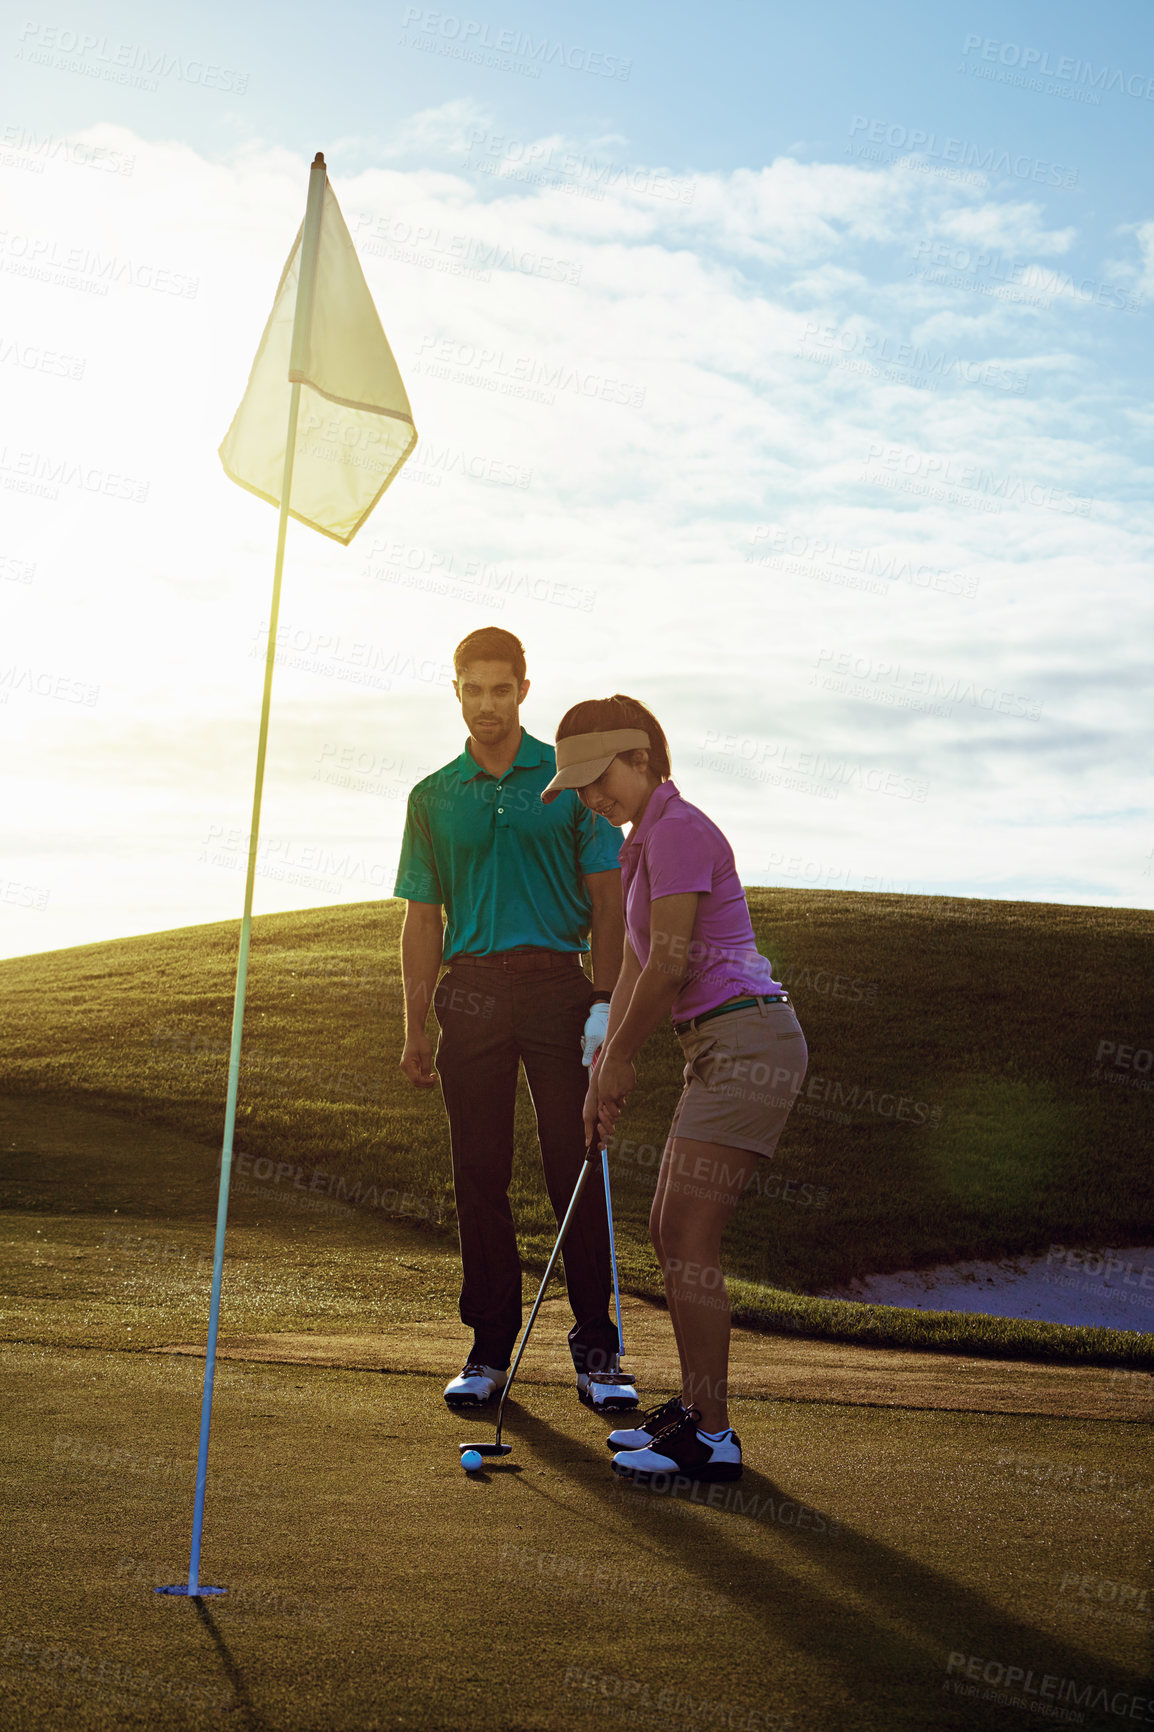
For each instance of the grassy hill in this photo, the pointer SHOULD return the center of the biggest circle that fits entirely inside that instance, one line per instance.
(955, 1105)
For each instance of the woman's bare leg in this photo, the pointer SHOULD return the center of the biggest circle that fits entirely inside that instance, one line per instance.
(697, 1190)
(655, 1236)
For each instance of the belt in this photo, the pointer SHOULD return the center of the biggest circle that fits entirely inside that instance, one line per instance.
(517, 960)
(724, 1009)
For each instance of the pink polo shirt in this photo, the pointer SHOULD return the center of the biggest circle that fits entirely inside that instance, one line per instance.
(676, 849)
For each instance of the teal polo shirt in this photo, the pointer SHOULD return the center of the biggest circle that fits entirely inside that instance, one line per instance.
(508, 870)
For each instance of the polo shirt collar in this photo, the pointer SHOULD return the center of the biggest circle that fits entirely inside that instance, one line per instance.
(658, 800)
(530, 753)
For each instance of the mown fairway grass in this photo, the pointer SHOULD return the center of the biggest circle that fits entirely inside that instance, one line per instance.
(950, 1111)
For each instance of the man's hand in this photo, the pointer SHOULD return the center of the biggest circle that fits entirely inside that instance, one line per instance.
(417, 1061)
(596, 1028)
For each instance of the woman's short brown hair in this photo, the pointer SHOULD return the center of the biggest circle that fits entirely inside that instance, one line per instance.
(602, 715)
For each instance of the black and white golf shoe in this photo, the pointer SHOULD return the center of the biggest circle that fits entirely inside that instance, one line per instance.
(475, 1385)
(607, 1391)
(647, 1427)
(680, 1448)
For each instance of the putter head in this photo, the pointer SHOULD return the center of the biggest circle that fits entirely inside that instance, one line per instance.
(487, 1448)
(612, 1392)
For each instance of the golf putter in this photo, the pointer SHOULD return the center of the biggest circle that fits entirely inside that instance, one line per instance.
(497, 1447)
(624, 1394)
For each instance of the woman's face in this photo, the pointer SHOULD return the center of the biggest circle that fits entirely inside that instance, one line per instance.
(622, 792)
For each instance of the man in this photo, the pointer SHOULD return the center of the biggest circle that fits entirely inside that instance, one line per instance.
(521, 883)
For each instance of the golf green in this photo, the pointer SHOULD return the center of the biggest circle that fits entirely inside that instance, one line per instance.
(871, 1566)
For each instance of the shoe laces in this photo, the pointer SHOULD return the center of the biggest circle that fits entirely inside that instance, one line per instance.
(669, 1409)
(688, 1420)
(474, 1368)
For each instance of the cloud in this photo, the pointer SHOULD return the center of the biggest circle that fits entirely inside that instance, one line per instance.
(680, 434)
(1011, 228)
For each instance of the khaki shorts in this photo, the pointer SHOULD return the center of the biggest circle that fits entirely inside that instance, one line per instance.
(742, 1074)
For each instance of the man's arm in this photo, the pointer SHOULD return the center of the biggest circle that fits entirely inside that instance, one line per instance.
(422, 944)
(606, 926)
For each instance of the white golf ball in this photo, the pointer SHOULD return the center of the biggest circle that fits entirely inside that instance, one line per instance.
(470, 1461)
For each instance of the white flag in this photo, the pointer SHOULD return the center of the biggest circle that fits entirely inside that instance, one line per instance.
(355, 427)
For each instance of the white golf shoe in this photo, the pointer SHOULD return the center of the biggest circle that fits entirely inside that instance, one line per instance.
(681, 1448)
(475, 1385)
(607, 1391)
(649, 1424)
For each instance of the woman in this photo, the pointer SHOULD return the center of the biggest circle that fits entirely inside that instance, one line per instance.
(689, 951)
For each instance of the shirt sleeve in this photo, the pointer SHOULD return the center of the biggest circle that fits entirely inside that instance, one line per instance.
(679, 857)
(598, 841)
(417, 876)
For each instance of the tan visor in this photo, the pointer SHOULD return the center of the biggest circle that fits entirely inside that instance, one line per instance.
(583, 757)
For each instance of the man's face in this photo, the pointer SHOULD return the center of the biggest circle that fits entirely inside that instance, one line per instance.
(490, 698)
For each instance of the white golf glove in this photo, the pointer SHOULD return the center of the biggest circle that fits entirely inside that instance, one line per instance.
(596, 1028)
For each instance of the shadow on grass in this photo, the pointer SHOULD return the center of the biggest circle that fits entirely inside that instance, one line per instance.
(247, 1715)
(917, 1617)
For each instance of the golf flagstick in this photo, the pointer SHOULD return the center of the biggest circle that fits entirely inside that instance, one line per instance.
(303, 310)
(324, 338)
(497, 1447)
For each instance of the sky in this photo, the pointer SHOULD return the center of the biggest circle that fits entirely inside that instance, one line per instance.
(788, 369)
